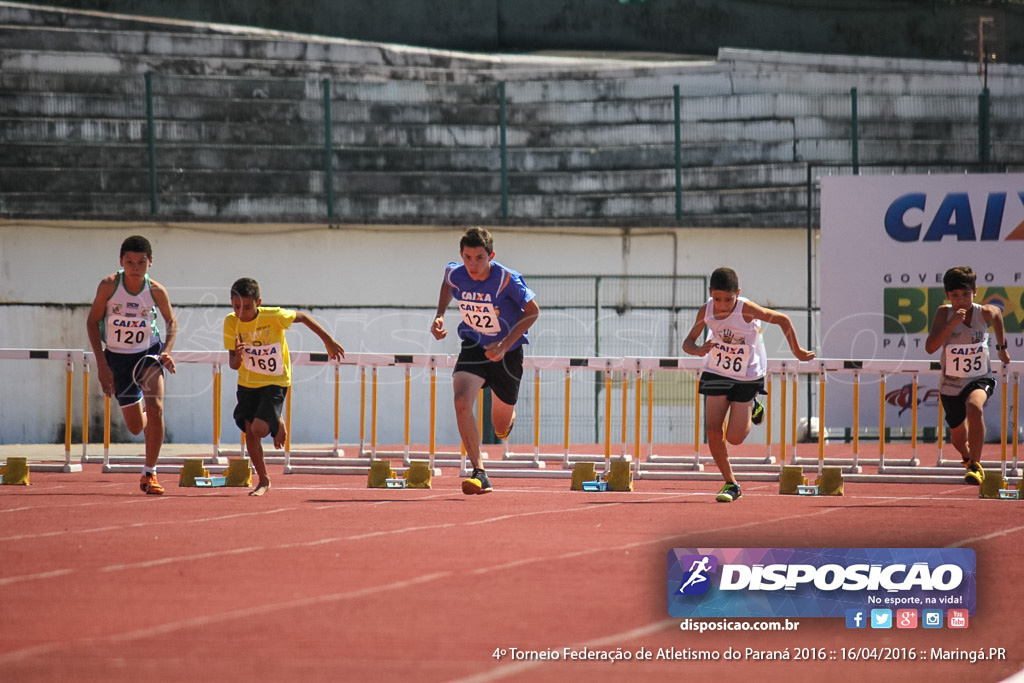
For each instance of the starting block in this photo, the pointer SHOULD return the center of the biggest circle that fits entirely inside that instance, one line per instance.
(206, 482)
(830, 483)
(620, 476)
(419, 475)
(380, 474)
(15, 473)
(383, 476)
(238, 473)
(1009, 494)
(792, 480)
(993, 485)
(582, 472)
(192, 469)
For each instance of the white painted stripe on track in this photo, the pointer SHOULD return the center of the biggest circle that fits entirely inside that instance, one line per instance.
(986, 537)
(55, 573)
(139, 525)
(210, 619)
(180, 558)
(106, 503)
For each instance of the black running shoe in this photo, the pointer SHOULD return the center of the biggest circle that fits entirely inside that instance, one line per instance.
(757, 416)
(478, 483)
(729, 493)
(975, 473)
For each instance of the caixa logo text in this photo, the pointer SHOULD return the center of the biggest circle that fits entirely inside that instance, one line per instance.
(954, 217)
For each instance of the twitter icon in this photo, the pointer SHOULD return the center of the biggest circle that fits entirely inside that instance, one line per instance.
(881, 618)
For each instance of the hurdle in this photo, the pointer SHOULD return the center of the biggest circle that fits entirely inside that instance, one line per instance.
(335, 450)
(336, 462)
(1009, 427)
(69, 357)
(372, 452)
(567, 459)
(634, 374)
(657, 466)
(167, 463)
(912, 470)
(216, 459)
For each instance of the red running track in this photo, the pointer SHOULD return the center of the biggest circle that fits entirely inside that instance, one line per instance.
(323, 579)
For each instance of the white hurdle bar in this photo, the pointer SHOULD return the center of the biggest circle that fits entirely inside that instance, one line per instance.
(69, 357)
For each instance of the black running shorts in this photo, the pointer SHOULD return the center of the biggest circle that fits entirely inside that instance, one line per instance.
(503, 376)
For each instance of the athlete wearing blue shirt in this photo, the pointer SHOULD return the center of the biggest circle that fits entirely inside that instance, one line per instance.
(497, 309)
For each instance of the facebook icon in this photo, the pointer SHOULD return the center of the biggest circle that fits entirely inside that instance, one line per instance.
(856, 618)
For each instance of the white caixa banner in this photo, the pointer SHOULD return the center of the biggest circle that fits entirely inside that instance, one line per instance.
(885, 243)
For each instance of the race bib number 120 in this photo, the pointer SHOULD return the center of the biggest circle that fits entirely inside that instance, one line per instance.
(128, 333)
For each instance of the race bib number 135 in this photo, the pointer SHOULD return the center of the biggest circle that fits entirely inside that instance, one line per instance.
(966, 360)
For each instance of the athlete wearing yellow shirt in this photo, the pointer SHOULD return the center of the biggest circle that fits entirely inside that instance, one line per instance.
(255, 339)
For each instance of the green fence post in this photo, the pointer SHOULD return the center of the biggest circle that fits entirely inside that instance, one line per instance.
(679, 153)
(328, 150)
(854, 140)
(154, 207)
(502, 126)
(984, 131)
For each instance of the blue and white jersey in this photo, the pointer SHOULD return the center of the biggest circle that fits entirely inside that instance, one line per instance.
(489, 308)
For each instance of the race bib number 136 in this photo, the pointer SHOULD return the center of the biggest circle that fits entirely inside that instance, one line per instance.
(728, 360)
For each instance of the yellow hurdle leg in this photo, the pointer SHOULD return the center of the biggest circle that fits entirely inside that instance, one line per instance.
(565, 422)
(821, 420)
(784, 383)
(85, 411)
(881, 422)
(856, 421)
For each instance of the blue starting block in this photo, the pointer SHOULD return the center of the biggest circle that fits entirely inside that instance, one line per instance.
(395, 483)
(211, 481)
(1009, 494)
(807, 490)
(598, 484)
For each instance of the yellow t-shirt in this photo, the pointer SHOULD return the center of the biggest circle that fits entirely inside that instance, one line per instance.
(266, 362)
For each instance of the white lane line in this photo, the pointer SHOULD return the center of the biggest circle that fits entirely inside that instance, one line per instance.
(216, 618)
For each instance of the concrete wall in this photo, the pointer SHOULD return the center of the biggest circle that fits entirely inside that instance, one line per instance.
(375, 289)
(866, 27)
